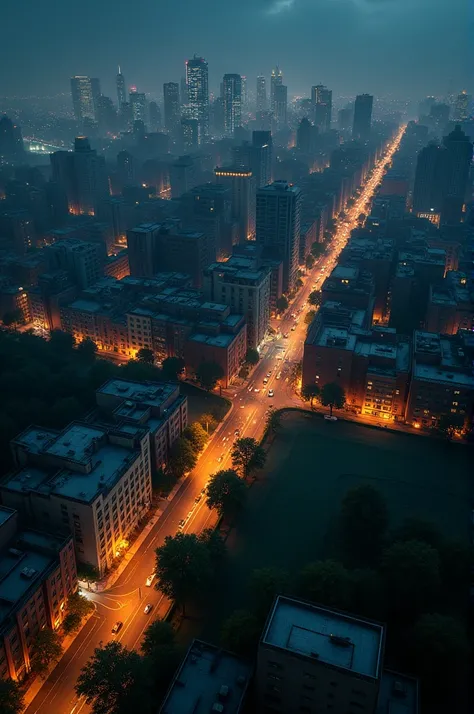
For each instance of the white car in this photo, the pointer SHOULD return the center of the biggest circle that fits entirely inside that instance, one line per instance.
(271, 393)
(330, 418)
(150, 579)
(148, 608)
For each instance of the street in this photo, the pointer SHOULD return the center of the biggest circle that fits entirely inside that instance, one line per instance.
(125, 601)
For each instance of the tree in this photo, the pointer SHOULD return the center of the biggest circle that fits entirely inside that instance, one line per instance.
(364, 521)
(266, 584)
(447, 425)
(309, 317)
(79, 605)
(298, 283)
(411, 572)
(182, 457)
(12, 317)
(273, 423)
(87, 349)
(282, 304)
(71, 622)
(196, 436)
(161, 654)
(317, 249)
(145, 355)
(327, 582)
(417, 529)
(310, 392)
(63, 411)
(112, 681)
(247, 456)
(244, 371)
(315, 298)
(45, 650)
(11, 697)
(215, 545)
(226, 493)
(252, 356)
(296, 373)
(208, 374)
(159, 634)
(240, 633)
(183, 568)
(456, 561)
(87, 572)
(61, 342)
(208, 422)
(310, 261)
(333, 395)
(172, 367)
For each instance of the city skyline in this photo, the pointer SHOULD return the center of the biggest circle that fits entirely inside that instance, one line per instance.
(368, 37)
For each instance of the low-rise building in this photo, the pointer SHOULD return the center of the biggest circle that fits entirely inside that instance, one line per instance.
(90, 480)
(350, 286)
(37, 574)
(209, 679)
(227, 349)
(442, 383)
(451, 304)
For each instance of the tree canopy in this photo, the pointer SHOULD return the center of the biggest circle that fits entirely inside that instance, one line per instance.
(172, 367)
(333, 396)
(240, 633)
(208, 422)
(247, 456)
(11, 697)
(282, 304)
(208, 374)
(310, 261)
(364, 522)
(411, 571)
(327, 582)
(252, 356)
(226, 493)
(182, 457)
(196, 435)
(309, 317)
(145, 355)
(310, 392)
(46, 649)
(315, 298)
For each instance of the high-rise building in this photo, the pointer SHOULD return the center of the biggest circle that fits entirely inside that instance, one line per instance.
(197, 84)
(462, 106)
(139, 105)
(171, 105)
(261, 94)
(143, 250)
(278, 217)
(362, 116)
(126, 168)
(121, 91)
(242, 184)
(344, 119)
(11, 140)
(245, 97)
(304, 136)
(232, 88)
(83, 176)
(458, 150)
(276, 80)
(280, 106)
(154, 116)
(190, 134)
(439, 114)
(321, 98)
(429, 177)
(84, 91)
(106, 115)
(263, 159)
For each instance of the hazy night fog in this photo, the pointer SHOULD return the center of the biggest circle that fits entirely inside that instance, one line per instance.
(405, 47)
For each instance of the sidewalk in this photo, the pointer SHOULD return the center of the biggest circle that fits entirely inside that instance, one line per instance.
(38, 681)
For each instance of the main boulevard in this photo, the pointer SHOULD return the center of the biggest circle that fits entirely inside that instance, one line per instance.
(126, 599)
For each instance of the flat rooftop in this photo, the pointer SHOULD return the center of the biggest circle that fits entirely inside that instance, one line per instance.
(331, 637)
(5, 514)
(223, 340)
(151, 393)
(438, 373)
(398, 694)
(342, 272)
(207, 675)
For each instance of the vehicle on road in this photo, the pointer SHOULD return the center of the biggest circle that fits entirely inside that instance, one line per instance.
(278, 375)
(293, 328)
(148, 608)
(330, 418)
(237, 432)
(117, 627)
(250, 386)
(269, 374)
(256, 390)
(265, 381)
(198, 498)
(181, 524)
(150, 579)
(190, 513)
(219, 458)
(285, 335)
(271, 393)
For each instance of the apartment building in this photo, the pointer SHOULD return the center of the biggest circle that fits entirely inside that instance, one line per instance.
(451, 304)
(90, 480)
(37, 574)
(311, 658)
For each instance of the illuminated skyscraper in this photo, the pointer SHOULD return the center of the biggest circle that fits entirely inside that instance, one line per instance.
(232, 86)
(197, 84)
(244, 92)
(85, 92)
(280, 106)
(154, 116)
(121, 91)
(261, 94)
(458, 150)
(171, 102)
(362, 116)
(462, 106)
(139, 105)
(276, 80)
(321, 98)
(11, 140)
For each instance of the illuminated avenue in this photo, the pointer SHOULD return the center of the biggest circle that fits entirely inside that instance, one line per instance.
(125, 600)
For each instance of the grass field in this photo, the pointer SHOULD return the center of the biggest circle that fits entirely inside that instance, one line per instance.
(292, 511)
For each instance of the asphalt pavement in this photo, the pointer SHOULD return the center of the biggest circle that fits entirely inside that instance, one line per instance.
(125, 601)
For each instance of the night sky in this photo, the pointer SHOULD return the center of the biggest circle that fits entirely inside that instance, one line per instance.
(407, 47)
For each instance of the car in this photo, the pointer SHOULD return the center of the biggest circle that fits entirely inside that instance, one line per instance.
(190, 513)
(242, 406)
(293, 315)
(181, 524)
(117, 627)
(293, 328)
(271, 393)
(219, 458)
(198, 498)
(256, 390)
(150, 579)
(250, 387)
(269, 374)
(278, 375)
(265, 381)
(237, 432)
(148, 608)
(330, 418)
(285, 335)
